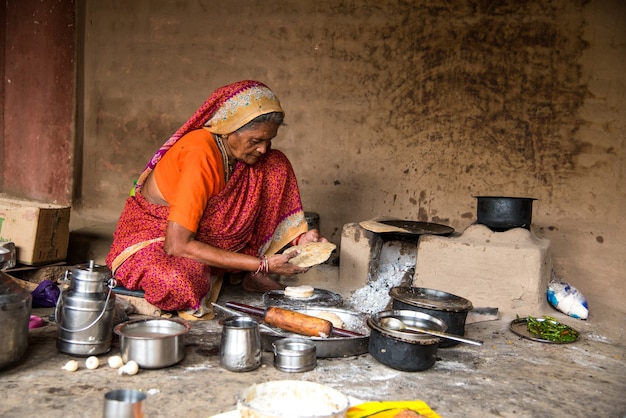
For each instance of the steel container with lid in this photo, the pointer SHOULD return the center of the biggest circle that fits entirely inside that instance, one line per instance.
(294, 355)
(84, 312)
(451, 309)
(15, 307)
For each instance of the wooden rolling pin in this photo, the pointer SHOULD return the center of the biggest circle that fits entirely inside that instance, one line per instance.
(294, 321)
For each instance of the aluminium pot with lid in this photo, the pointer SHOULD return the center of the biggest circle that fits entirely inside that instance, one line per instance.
(450, 308)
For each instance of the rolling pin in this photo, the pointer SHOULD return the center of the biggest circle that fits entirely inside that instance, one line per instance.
(293, 321)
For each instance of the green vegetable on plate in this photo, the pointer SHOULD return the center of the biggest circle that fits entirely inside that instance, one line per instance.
(549, 328)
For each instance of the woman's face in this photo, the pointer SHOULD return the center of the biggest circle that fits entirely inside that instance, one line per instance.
(250, 144)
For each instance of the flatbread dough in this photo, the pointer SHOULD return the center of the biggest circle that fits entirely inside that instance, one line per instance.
(332, 317)
(311, 254)
(304, 291)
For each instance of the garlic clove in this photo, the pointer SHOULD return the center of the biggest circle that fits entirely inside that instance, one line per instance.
(115, 362)
(130, 368)
(70, 366)
(92, 363)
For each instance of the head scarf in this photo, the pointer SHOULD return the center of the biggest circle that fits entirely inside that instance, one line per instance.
(226, 110)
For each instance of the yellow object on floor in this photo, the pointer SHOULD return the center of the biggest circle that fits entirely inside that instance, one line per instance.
(391, 409)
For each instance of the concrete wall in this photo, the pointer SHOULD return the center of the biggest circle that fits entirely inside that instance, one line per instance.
(397, 108)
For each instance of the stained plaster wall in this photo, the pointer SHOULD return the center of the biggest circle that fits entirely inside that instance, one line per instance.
(397, 108)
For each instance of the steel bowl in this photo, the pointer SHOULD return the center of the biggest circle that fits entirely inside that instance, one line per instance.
(292, 399)
(153, 343)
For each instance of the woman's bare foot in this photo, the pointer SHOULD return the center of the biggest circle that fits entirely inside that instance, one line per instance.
(260, 283)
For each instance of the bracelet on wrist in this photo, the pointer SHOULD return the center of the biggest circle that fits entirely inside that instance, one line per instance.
(264, 266)
(296, 240)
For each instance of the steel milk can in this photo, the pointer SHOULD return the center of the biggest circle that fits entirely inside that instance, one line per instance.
(84, 311)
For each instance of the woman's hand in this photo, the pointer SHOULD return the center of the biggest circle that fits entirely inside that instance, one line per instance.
(313, 235)
(279, 264)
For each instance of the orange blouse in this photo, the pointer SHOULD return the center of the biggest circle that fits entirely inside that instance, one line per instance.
(188, 175)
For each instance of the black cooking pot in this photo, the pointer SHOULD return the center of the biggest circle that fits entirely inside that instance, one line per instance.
(401, 350)
(451, 309)
(501, 213)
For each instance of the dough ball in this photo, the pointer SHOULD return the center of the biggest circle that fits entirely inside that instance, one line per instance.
(332, 317)
(304, 291)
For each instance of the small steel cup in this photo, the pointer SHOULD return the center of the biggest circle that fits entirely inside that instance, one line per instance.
(240, 348)
(124, 403)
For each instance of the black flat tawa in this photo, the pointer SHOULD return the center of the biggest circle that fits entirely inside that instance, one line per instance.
(320, 297)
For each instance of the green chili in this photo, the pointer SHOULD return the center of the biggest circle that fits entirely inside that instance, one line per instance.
(548, 328)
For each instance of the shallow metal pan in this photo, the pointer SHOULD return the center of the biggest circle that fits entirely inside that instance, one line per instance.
(328, 347)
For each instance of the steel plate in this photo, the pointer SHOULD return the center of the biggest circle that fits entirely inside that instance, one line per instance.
(519, 326)
(328, 347)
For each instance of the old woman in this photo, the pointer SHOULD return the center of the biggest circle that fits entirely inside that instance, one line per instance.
(215, 198)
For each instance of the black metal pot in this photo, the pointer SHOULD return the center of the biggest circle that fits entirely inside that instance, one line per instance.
(501, 213)
(404, 351)
(451, 309)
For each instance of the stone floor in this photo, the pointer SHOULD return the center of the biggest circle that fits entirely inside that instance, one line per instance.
(506, 377)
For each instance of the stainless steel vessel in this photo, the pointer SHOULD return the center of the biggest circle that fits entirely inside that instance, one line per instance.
(152, 342)
(240, 348)
(84, 312)
(15, 306)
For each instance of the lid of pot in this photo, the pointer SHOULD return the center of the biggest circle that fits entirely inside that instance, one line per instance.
(430, 299)
(91, 272)
(11, 291)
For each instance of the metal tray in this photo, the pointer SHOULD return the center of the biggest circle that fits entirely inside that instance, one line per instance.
(519, 326)
(319, 298)
(327, 347)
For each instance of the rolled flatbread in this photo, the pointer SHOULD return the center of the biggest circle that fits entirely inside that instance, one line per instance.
(311, 254)
(304, 291)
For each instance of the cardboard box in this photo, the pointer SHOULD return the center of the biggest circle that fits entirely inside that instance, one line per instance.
(40, 231)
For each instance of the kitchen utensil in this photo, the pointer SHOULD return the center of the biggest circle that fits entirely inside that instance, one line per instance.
(330, 347)
(84, 311)
(451, 309)
(320, 297)
(153, 343)
(396, 324)
(294, 355)
(240, 347)
(8, 254)
(380, 227)
(262, 326)
(519, 326)
(404, 351)
(15, 307)
(405, 229)
(482, 314)
(292, 399)
(293, 321)
(501, 213)
(124, 403)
